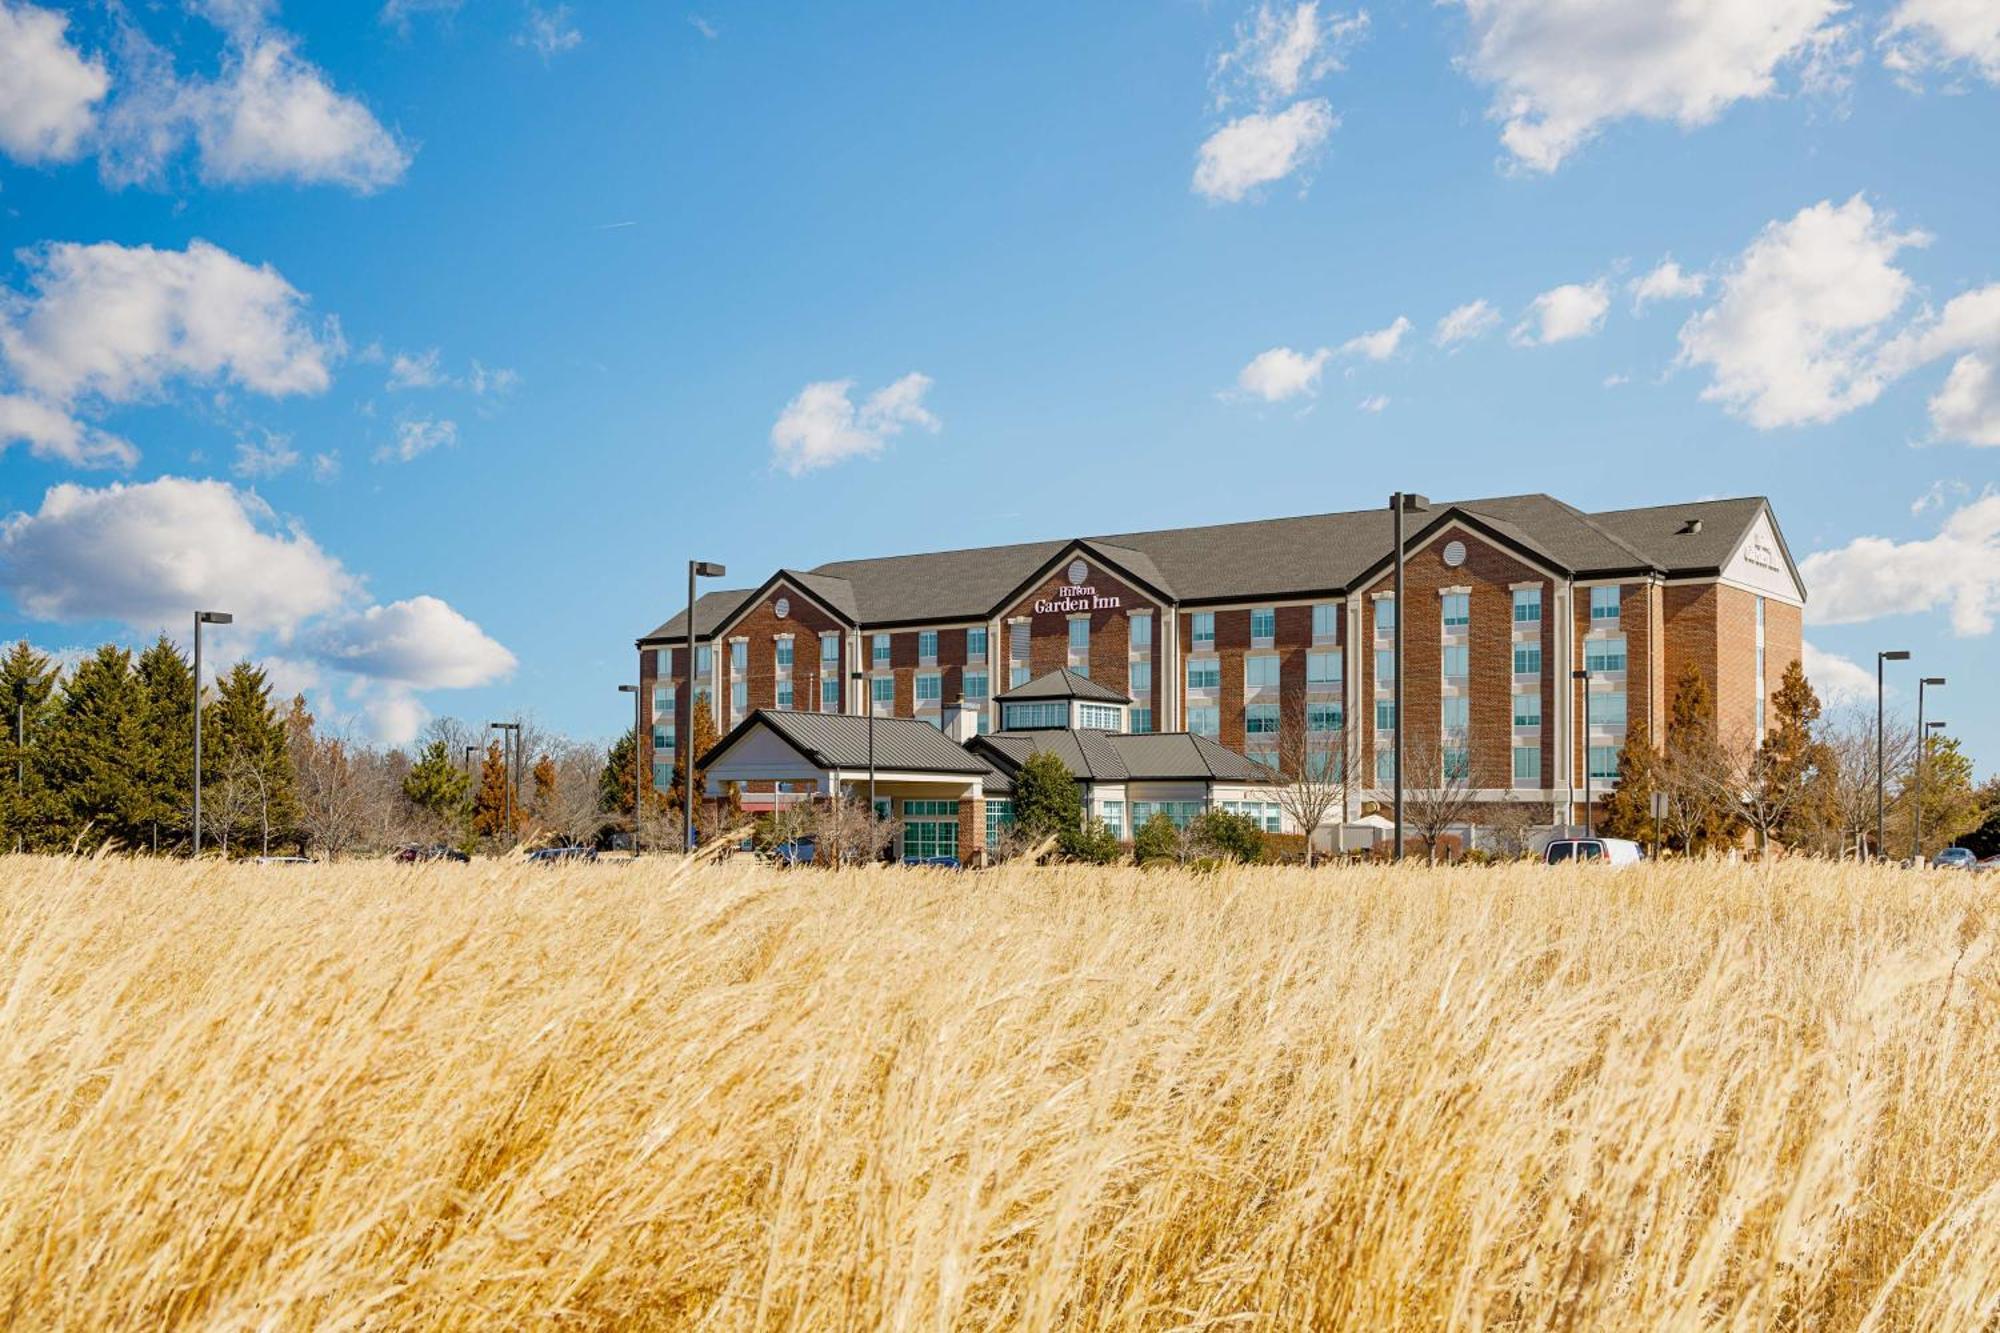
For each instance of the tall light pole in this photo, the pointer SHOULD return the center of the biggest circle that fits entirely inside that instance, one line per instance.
(510, 750)
(1589, 824)
(1924, 730)
(470, 751)
(1400, 503)
(868, 696)
(1880, 658)
(706, 569)
(201, 618)
(633, 690)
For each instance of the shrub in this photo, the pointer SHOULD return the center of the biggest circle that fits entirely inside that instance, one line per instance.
(1236, 837)
(1157, 842)
(1093, 843)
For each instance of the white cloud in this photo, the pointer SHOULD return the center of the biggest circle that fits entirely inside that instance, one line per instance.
(1257, 149)
(118, 322)
(1561, 69)
(1940, 494)
(326, 467)
(420, 642)
(1374, 402)
(52, 433)
(1666, 283)
(393, 716)
(268, 459)
(1794, 334)
(1967, 407)
(397, 13)
(498, 380)
(273, 116)
(1929, 34)
(1834, 678)
(146, 554)
(1279, 52)
(703, 26)
(1282, 373)
(549, 32)
(822, 426)
(1870, 577)
(415, 372)
(1616, 379)
(48, 90)
(1379, 345)
(1573, 310)
(1467, 322)
(417, 436)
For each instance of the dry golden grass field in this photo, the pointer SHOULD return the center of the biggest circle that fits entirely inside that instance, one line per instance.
(494, 1097)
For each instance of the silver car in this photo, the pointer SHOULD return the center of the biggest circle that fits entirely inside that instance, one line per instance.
(1955, 858)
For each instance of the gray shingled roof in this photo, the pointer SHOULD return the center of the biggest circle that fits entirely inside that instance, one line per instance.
(1277, 557)
(840, 740)
(1062, 683)
(710, 610)
(1111, 757)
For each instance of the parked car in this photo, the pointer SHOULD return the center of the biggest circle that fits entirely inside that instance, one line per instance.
(1611, 851)
(434, 852)
(941, 862)
(796, 852)
(1955, 858)
(284, 861)
(551, 855)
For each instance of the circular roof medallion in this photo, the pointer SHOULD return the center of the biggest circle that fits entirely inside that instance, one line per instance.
(1078, 571)
(783, 608)
(1454, 554)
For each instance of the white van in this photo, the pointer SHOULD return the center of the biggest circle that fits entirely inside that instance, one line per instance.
(1610, 851)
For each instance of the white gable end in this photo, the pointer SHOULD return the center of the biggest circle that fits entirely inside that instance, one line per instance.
(1759, 564)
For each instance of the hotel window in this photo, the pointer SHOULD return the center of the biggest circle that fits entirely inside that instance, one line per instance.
(829, 652)
(1264, 756)
(1140, 677)
(1323, 670)
(975, 685)
(1205, 721)
(882, 691)
(1604, 603)
(1385, 767)
(930, 839)
(739, 656)
(663, 661)
(1017, 640)
(1527, 710)
(1204, 630)
(929, 688)
(1097, 717)
(1608, 709)
(1033, 716)
(1604, 762)
(1528, 659)
(784, 652)
(663, 776)
(1385, 614)
(1260, 720)
(1385, 668)
(1204, 675)
(1141, 632)
(1079, 641)
(975, 643)
(927, 645)
(1264, 624)
(880, 653)
(999, 815)
(1260, 673)
(663, 698)
(829, 695)
(1017, 677)
(1457, 764)
(1326, 764)
(1326, 622)
(702, 659)
(1142, 721)
(1527, 606)
(1455, 660)
(739, 698)
(1323, 717)
(663, 736)
(1385, 715)
(1604, 654)
(1457, 609)
(1456, 713)
(1527, 765)
(785, 695)
(1113, 815)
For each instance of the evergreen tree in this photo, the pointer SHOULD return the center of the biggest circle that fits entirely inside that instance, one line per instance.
(1985, 840)
(545, 798)
(614, 784)
(1951, 804)
(165, 765)
(439, 789)
(1691, 771)
(1046, 799)
(1628, 810)
(252, 762)
(490, 802)
(87, 759)
(1157, 841)
(703, 739)
(1796, 766)
(28, 810)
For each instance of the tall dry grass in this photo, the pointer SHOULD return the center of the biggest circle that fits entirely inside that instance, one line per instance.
(493, 1097)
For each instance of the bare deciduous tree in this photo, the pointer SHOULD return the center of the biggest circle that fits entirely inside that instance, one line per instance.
(1313, 766)
(1437, 789)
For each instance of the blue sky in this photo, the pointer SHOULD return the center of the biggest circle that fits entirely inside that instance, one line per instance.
(432, 340)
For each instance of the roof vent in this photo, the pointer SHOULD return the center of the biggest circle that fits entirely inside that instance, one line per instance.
(1692, 525)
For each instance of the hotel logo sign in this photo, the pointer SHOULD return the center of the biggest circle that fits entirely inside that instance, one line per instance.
(1076, 595)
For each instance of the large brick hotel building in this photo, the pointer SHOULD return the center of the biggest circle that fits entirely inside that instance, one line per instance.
(1238, 630)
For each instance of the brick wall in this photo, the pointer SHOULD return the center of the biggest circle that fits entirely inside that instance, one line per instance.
(1048, 634)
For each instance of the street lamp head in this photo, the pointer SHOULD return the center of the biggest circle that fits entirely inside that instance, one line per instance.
(708, 569)
(1409, 501)
(628, 689)
(856, 676)
(1896, 656)
(215, 617)
(1935, 726)
(1580, 675)
(1931, 680)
